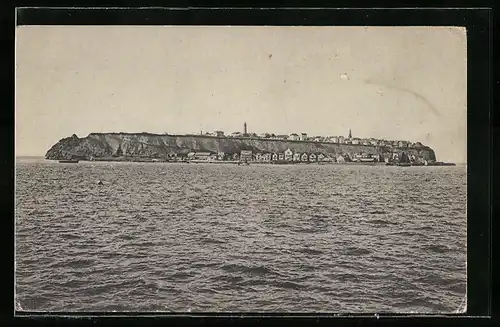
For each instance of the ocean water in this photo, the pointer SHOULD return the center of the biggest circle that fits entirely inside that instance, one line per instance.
(226, 238)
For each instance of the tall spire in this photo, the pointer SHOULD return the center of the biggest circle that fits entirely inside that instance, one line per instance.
(350, 135)
(245, 128)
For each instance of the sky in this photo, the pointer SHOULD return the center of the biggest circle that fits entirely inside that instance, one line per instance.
(397, 83)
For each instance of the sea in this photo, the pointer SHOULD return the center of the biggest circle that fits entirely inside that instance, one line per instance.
(174, 237)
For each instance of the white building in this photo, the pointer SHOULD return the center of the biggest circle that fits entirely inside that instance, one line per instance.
(340, 158)
(246, 155)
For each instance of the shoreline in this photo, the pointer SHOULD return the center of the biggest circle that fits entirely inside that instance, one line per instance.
(232, 162)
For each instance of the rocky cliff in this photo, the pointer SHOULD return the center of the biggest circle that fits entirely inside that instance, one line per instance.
(106, 145)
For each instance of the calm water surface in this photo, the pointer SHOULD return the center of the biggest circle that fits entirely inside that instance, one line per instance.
(201, 237)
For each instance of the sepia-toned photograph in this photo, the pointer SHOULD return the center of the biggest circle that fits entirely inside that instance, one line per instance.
(273, 169)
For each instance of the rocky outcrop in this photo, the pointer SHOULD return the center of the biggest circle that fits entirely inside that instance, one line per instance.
(145, 145)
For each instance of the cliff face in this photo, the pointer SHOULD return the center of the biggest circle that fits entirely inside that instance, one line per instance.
(103, 145)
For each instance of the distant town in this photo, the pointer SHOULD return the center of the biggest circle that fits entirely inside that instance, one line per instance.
(323, 139)
(301, 157)
(240, 147)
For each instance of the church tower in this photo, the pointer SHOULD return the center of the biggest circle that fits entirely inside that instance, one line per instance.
(350, 135)
(245, 128)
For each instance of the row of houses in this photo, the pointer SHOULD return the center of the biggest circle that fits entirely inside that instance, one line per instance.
(323, 139)
(288, 155)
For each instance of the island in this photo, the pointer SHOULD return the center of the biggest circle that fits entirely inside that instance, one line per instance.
(240, 147)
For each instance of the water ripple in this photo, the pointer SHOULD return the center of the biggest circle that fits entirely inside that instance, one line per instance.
(173, 237)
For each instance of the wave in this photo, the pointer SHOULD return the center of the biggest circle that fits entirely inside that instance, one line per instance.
(233, 280)
(459, 287)
(437, 248)
(408, 233)
(126, 237)
(180, 275)
(439, 280)
(251, 270)
(287, 285)
(275, 283)
(377, 212)
(74, 283)
(69, 236)
(33, 302)
(131, 284)
(420, 305)
(204, 264)
(212, 241)
(381, 222)
(346, 277)
(142, 244)
(321, 217)
(310, 251)
(79, 263)
(357, 251)
(309, 230)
